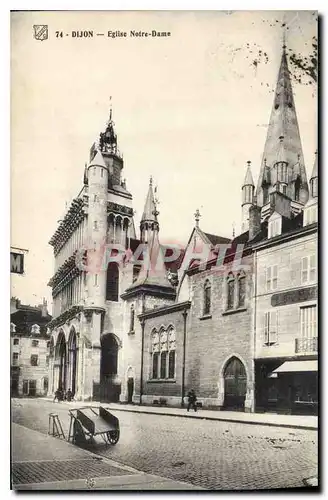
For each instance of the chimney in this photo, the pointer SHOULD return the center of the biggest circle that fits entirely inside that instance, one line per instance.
(254, 221)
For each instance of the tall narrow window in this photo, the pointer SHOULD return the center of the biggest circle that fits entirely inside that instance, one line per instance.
(34, 360)
(112, 286)
(271, 327)
(207, 298)
(230, 291)
(132, 318)
(154, 353)
(163, 364)
(155, 364)
(241, 290)
(172, 349)
(164, 351)
(309, 322)
(309, 268)
(15, 358)
(271, 278)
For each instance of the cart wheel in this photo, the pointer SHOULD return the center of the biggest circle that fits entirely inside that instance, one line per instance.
(113, 436)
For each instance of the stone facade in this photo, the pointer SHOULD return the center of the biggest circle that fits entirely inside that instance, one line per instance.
(29, 350)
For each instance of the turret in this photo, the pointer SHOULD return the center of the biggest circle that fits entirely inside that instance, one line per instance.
(280, 171)
(248, 188)
(149, 223)
(97, 228)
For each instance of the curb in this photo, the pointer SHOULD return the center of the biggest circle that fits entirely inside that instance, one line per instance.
(222, 419)
(214, 419)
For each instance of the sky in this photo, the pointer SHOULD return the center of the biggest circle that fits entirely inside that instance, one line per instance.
(190, 110)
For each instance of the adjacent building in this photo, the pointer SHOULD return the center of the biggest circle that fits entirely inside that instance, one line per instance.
(30, 343)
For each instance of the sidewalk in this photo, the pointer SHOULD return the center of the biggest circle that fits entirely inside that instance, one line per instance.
(41, 462)
(291, 421)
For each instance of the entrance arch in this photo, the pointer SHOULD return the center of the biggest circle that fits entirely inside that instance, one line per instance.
(235, 385)
(110, 388)
(72, 360)
(61, 361)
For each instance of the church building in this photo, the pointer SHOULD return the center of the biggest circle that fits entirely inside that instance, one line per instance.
(222, 316)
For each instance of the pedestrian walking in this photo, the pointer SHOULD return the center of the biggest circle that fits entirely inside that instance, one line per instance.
(192, 398)
(58, 395)
(69, 395)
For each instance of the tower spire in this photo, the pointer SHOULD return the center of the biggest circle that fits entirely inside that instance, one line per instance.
(283, 123)
(108, 139)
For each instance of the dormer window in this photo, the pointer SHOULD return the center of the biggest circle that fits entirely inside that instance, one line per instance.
(35, 329)
(12, 327)
(274, 226)
(310, 215)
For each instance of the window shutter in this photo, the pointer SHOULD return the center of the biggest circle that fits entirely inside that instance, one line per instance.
(268, 279)
(313, 267)
(304, 269)
(274, 277)
(274, 327)
(266, 327)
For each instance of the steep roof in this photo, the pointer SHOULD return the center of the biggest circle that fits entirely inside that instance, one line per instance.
(98, 160)
(150, 207)
(248, 181)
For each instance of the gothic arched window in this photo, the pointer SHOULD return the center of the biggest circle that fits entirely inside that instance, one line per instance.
(207, 298)
(112, 284)
(164, 353)
(172, 349)
(241, 290)
(154, 353)
(230, 291)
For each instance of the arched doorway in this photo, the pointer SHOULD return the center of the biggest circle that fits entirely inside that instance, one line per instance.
(72, 360)
(61, 361)
(235, 382)
(109, 387)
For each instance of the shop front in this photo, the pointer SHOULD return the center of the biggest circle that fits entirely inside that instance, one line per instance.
(289, 386)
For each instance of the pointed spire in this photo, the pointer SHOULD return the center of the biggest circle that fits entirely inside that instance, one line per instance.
(150, 206)
(283, 123)
(248, 181)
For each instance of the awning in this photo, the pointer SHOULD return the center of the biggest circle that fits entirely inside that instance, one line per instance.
(297, 366)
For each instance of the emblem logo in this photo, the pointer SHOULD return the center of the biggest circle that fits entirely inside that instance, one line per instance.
(40, 31)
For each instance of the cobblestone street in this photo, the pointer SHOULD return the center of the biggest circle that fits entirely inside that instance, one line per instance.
(211, 454)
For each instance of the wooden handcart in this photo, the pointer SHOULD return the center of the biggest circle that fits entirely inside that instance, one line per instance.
(91, 421)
